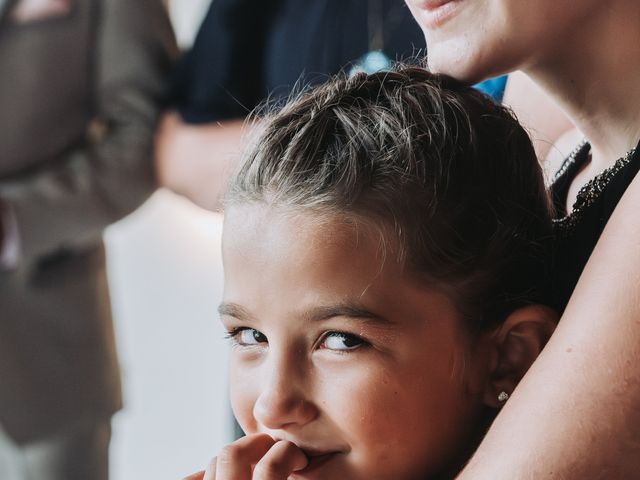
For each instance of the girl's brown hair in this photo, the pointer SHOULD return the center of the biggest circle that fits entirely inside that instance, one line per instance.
(449, 172)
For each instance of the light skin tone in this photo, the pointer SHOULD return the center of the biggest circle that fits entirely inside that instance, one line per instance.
(197, 160)
(541, 116)
(343, 364)
(35, 10)
(575, 413)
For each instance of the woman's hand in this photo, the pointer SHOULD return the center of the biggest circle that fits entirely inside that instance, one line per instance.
(254, 457)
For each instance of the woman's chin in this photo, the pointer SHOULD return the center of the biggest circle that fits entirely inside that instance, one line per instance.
(462, 62)
(460, 68)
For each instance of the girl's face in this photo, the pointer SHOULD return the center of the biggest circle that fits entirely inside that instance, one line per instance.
(336, 349)
(475, 39)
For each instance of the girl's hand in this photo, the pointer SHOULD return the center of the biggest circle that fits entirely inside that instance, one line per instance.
(254, 457)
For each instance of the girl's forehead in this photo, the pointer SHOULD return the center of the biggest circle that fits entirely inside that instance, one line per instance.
(316, 263)
(260, 223)
(286, 236)
(313, 243)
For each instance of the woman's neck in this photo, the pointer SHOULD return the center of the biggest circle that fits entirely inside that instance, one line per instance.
(595, 77)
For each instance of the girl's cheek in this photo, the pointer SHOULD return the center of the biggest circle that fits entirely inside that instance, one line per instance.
(243, 392)
(358, 390)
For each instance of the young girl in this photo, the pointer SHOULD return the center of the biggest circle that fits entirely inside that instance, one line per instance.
(384, 260)
(578, 406)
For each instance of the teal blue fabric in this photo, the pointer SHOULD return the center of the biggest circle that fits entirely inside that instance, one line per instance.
(494, 87)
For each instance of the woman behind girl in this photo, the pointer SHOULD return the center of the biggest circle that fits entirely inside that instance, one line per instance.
(385, 268)
(575, 415)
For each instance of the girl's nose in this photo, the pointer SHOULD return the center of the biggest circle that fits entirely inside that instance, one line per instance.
(283, 402)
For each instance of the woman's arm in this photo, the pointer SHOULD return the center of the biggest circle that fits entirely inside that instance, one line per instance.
(576, 414)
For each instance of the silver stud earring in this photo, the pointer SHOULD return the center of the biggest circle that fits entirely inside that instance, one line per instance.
(503, 397)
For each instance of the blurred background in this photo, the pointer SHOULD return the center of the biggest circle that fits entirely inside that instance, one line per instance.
(166, 282)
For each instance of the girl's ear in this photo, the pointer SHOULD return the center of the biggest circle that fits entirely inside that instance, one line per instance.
(517, 343)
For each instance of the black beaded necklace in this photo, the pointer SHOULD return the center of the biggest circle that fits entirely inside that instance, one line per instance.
(590, 191)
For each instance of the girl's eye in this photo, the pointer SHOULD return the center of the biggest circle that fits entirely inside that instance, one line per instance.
(247, 336)
(341, 341)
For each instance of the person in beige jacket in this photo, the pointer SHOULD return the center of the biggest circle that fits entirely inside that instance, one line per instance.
(80, 94)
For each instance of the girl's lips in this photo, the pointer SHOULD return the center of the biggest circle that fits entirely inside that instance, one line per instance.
(311, 453)
(316, 461)
(435, 13)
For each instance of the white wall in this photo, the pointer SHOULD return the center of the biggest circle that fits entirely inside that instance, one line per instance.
(165, 276)
(166, 281)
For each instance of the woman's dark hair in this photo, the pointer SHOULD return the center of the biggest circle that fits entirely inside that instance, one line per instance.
(449, 172)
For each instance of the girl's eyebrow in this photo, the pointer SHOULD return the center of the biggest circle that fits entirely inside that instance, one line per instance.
(236, 311)
(346, 310)
(316, 314)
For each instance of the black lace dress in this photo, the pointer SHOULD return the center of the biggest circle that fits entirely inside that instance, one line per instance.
(578, 232)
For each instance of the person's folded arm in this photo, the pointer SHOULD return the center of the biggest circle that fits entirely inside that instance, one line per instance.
(196, 160)
(215, 85)
(71, 199)
(576, 414)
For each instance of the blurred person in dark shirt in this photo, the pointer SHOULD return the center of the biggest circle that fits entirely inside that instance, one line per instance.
(248, 50)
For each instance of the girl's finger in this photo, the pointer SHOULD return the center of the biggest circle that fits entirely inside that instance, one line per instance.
(210, 472)
(236, 461)
(280, 461)
(195, 476)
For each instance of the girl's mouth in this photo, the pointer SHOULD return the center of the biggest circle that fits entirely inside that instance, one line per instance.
(316, 461)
